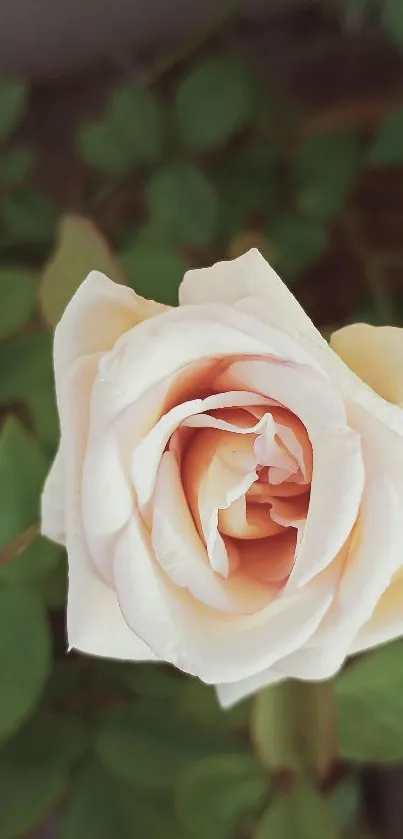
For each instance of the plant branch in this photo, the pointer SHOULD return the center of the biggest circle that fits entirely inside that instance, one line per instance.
(19, 544)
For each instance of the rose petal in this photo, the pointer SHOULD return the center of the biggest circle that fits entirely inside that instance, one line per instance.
(269, 560)
(232, 692)
(183, 557)
(365, 578)
(147, 454)
(249, 276)
(53, 502)
(215, 647)
(184, 336)
(218, 468)
(386, 621)
(96, 316)
(375, 354)
(95, 623)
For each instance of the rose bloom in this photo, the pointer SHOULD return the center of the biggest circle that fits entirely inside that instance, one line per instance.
(228, 487)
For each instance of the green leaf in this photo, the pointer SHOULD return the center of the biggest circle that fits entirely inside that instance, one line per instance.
(25, 364)
(388, 145)
(300, 814)
(154, 270)
(369, 697)
(80, 248)
(28, 217)
(324, 172)
(153, 681)
(15, 166)
(298, 243)
(24, 656)
(247, 181)
(34, 771)
(200, 702)
(130, 132)
(41, 403)
(214, 795)
(17, 291)
(182, 200)
(213, 101)
(105, 807)
(13, 103)
(23, 469)
(392, 18)
(148, 747)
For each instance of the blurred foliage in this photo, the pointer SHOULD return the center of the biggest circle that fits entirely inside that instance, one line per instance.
(201, 163)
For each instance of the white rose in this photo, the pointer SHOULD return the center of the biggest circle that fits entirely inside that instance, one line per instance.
(230, 493)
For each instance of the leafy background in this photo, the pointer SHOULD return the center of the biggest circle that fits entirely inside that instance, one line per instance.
(197, 156)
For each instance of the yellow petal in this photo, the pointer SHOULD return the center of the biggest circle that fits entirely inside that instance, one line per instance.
(375, 354)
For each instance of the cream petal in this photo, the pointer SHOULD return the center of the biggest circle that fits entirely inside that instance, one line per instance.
(232, 692)
(376, 551)
(386, 621)
(247, 521)
(182, 555)
(147, 454)
(53, 502)
(218, 468)
(95, 623)
(337, 456)
(249, 276)
(338, 464)
(183, 336)
(308, 394)
(96, 316)
(217, 648)
(373, 558)
(106, 497)
(375, 354)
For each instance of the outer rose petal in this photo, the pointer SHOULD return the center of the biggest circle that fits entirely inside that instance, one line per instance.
(386, 622)
(375, 353)
(53, 517)
(249, 276)
(233, 692)
(95, 623)
(97, 315)
(374, 559)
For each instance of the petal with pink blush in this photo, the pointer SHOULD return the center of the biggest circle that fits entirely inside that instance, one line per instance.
(148, 452)
(181, 554)
(338, 463)
(269, 560)
(218, 468)
(202, 641)
(290, 511)
(181, 337)
(247, 521)
(309, 395)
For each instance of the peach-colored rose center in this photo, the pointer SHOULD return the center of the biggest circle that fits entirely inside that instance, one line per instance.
(246, 473)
